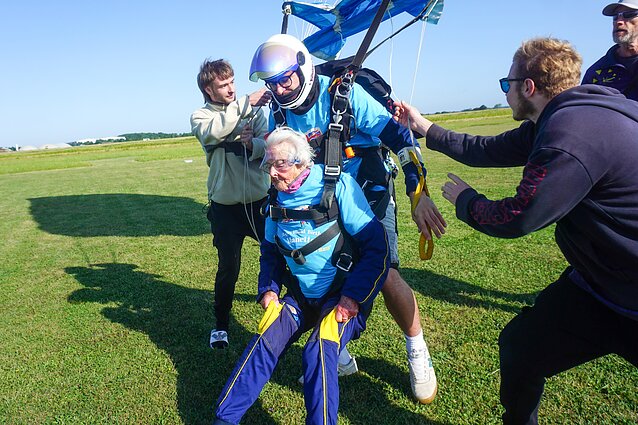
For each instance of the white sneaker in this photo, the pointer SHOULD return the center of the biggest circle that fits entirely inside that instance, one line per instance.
(342, 369)
(218, 339)
(422, 376)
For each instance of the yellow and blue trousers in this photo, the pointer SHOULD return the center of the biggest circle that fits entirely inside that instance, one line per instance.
(281, 326)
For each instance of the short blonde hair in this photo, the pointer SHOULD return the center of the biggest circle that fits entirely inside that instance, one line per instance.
(554, 65)
(303, 153)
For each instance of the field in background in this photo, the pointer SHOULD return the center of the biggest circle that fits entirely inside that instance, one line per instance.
(106, 282)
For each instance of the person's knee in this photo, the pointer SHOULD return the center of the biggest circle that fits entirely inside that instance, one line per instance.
(512, 346)
(394, 283)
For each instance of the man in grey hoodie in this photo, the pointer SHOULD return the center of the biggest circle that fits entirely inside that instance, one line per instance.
(231, 132)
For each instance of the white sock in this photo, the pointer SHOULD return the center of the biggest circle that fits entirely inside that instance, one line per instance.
(415, 342)
(344, 356)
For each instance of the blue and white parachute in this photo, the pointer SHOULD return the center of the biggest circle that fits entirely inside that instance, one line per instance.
(350, 17)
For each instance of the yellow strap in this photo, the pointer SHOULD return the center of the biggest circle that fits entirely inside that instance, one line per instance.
(425, 253)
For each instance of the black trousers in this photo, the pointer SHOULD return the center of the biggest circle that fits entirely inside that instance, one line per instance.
(566, 327)
(230, 224)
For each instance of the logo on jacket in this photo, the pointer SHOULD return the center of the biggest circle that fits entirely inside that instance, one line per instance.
(314, 135)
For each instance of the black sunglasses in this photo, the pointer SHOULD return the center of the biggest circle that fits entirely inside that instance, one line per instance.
(505, 83)
(626, 15)
(284, 81)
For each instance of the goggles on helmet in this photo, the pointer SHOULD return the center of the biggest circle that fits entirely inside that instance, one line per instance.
(271, 61)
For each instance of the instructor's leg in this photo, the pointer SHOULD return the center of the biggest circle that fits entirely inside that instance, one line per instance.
(401, 303)
(397, 295)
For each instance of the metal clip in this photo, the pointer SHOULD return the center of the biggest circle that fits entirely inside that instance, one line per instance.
(332, 170)
(298, 257)
(335, 127)
(344, 262)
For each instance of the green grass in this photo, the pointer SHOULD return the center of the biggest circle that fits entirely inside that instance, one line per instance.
(106, 301)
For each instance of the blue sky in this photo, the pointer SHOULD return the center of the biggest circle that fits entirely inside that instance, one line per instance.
(80, 69)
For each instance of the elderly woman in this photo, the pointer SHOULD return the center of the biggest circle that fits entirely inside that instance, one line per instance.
(310, 252)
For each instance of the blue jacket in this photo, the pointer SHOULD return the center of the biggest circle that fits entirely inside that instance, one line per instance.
(579, 172)
(373, 123)
(607, 71)
(316, 276)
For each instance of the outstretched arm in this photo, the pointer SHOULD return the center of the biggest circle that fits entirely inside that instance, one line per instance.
(410, 117)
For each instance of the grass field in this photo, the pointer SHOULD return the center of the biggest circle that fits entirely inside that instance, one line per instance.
(106, 280)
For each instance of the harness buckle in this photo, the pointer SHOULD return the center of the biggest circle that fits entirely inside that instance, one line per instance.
(298, 257)
(332, 170)
(344, 262)
(335, 127)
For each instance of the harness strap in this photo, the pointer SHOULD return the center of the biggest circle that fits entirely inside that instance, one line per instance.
(313, 214)
(298, 255)
(278, 114)
(232, 147)
(332, 165)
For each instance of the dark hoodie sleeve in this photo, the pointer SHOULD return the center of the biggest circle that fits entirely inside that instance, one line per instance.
(509, 149)
(553, 183)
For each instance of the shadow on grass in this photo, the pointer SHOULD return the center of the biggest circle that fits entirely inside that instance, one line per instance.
(177, 319)
(364, 400)
(119, 214)
(463, 293)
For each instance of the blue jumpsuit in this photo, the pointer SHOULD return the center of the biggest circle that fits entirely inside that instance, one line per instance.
(314, 307)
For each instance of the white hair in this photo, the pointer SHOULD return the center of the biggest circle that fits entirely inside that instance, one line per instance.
(302, 151)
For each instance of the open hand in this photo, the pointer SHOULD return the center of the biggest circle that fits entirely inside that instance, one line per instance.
(426, 215)
(452, 189)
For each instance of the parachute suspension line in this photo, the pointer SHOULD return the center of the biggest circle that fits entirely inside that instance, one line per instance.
(416, 70)
(418, 59)
(250, 217)
(391, 50)
(426, 246)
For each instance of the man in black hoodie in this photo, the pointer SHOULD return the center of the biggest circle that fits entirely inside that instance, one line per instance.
(579, 149)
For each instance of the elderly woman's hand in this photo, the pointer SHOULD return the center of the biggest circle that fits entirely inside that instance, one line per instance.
(346, 309)
(267, 298)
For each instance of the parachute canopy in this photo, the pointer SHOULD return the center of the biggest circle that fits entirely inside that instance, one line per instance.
(350, 17)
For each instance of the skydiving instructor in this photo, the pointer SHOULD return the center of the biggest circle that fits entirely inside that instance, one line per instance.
(231, 131)
(302, 101)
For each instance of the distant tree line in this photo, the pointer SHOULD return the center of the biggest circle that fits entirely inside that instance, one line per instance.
(130, 137)
(141, 136)
(478, 108)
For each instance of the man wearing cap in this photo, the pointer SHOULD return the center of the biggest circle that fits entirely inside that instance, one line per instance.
(619, 67)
